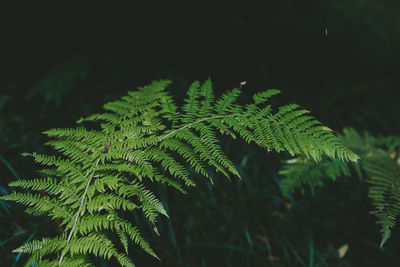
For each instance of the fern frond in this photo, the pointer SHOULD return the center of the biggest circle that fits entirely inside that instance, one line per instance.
(150, 204)
(49, 185)
(224, 105)
(42, 204)
(124, 240)
(39, 249)
(206, 92)
(98, 175)
(65, 167)
(109, 201)
(262, 97)
(111, 222)
(98, 245)
(384, 179)
(186, 152)
(168, 163)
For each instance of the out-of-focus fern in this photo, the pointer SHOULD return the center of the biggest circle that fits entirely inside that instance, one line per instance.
(379, 165)
(301, 171)
(383, 174)
(98, 175)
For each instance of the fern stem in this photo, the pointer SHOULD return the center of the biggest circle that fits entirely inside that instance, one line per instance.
(79, 209)
(188, 125)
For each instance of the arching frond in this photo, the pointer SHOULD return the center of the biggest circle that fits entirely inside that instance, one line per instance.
(97, 175)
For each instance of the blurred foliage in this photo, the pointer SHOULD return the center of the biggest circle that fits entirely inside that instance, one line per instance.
(379, 165)
(347, 77)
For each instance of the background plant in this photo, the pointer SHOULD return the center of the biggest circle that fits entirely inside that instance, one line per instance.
(379, 166)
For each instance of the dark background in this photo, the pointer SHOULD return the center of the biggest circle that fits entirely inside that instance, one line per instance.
(340, 59)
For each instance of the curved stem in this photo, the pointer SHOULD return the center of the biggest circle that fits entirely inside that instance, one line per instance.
(188, 125)
(79, 210)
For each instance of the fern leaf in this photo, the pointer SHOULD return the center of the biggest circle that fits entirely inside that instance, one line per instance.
(97, 174)
(192, 105)
(384, 178)
(206, 92)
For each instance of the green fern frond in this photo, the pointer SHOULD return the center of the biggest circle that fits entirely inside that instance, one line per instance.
(186, 152)
(384, 179)
(192, 105)
(42, 204)
(262, 97)
(224, 105)
(98, 174)
(49, 185)
(98, 245)
(39, 249)
(206, 92)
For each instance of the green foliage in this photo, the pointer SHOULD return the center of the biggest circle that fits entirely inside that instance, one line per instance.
(383, 172)
(98, 174)
(379, 165)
